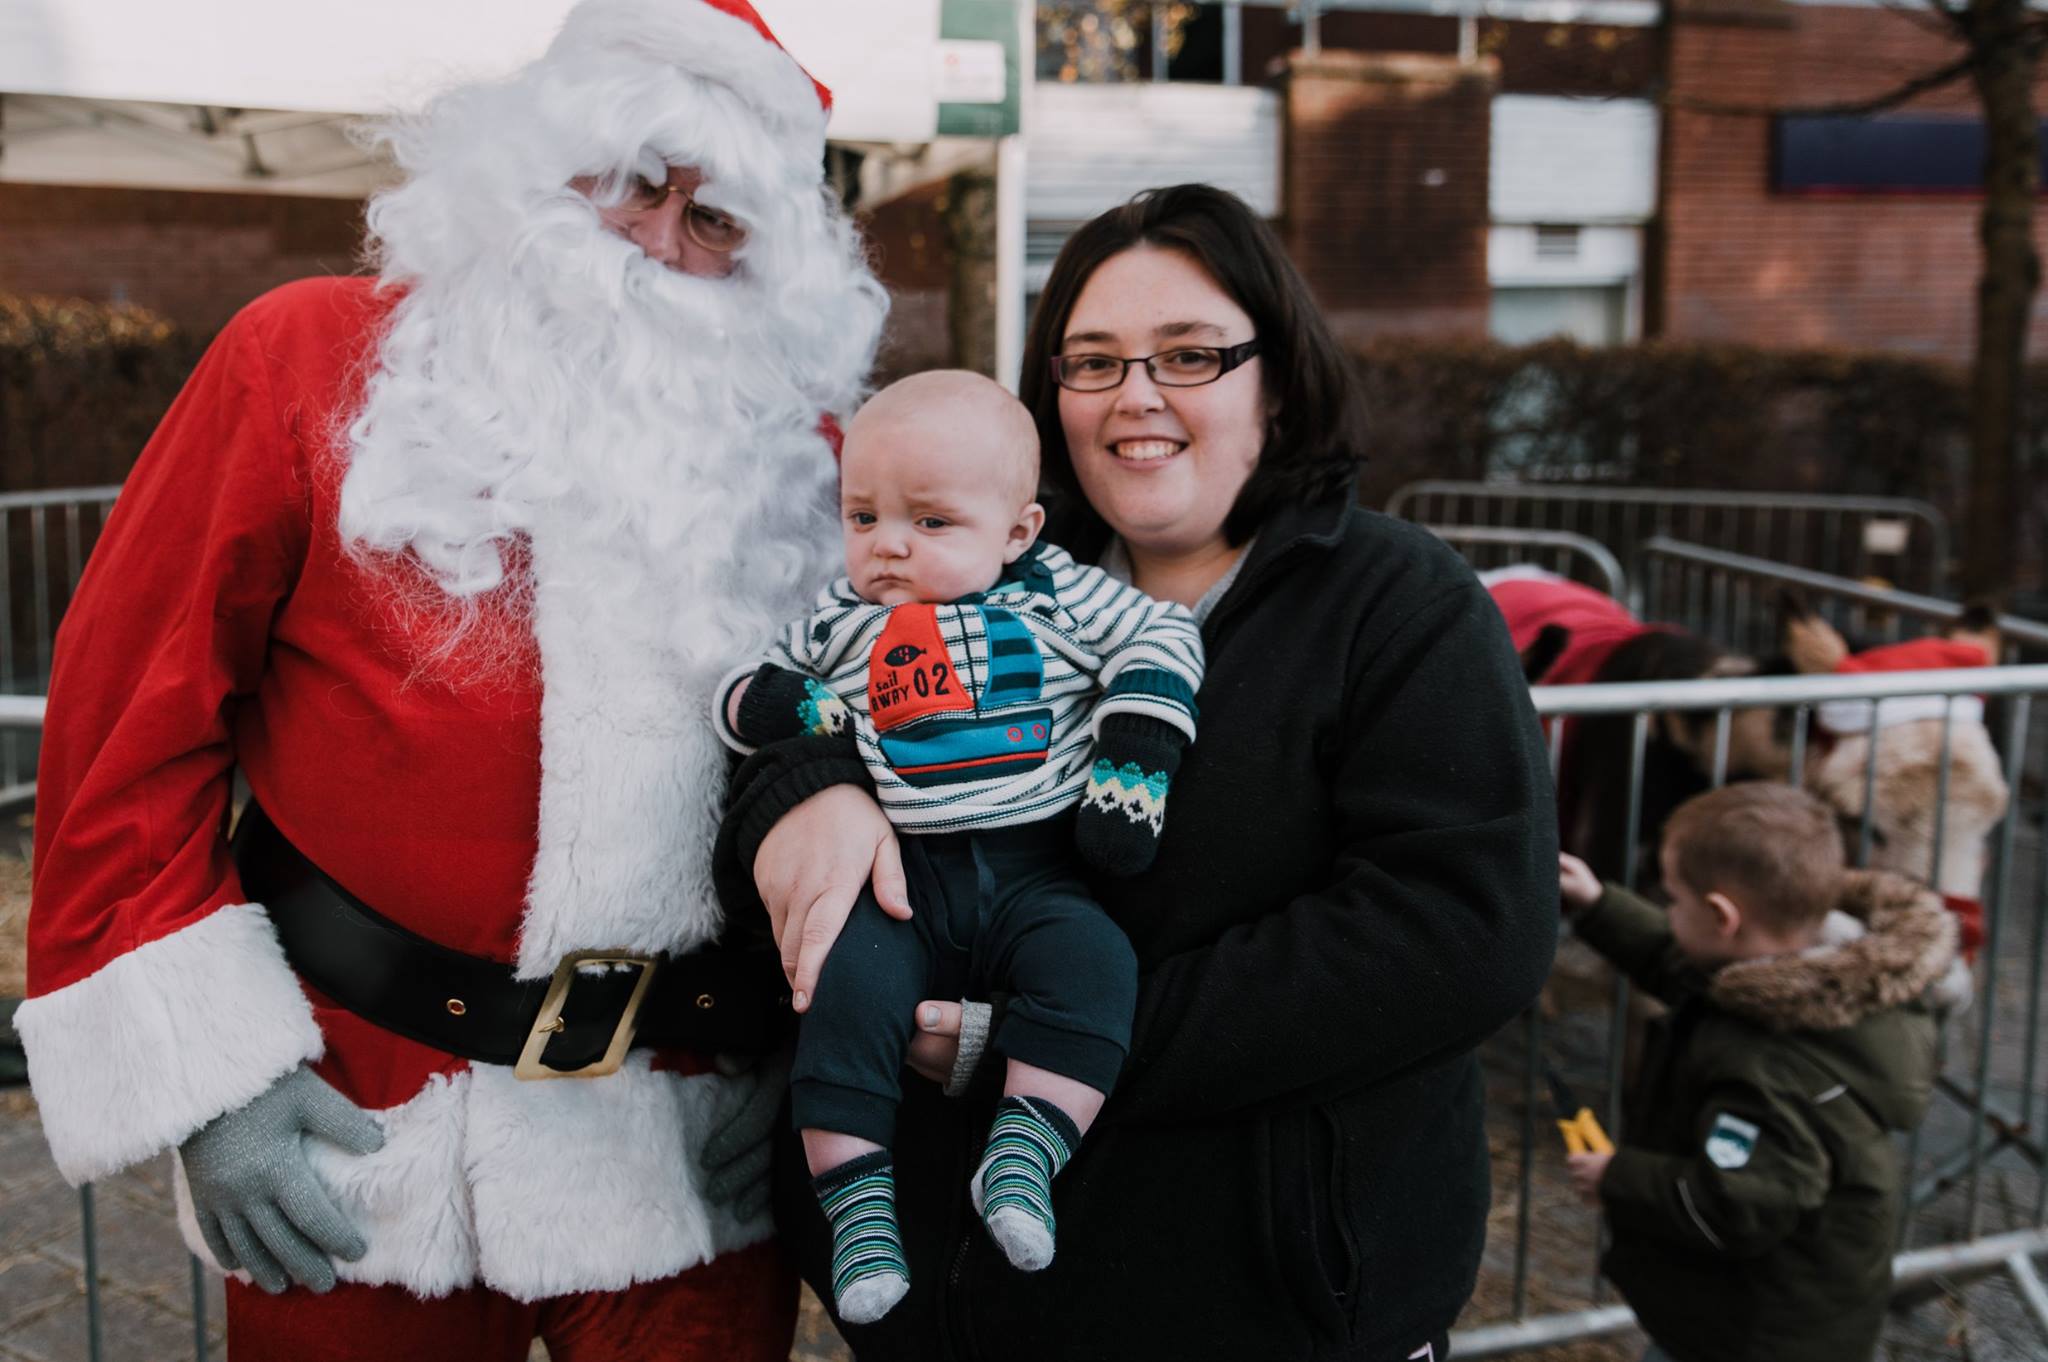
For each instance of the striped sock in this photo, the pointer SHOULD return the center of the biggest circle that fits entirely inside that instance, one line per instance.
(868, 1272)
(1029, 1143)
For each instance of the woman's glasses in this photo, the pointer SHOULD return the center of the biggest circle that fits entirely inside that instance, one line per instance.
(1189, 366)
(708, 227)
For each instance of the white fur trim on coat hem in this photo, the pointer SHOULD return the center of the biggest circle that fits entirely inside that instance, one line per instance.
(592, 1184)
(534, 1189)
(132, 1059)
(1855, 716)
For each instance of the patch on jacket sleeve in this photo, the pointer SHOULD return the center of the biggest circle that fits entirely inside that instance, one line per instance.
(1731, 1141)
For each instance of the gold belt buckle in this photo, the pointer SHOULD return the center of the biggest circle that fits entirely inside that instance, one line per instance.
(549, 1022)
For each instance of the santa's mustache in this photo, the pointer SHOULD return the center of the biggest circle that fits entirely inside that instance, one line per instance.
(584, 390)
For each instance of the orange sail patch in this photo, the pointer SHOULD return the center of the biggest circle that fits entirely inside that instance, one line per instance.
(910, 673)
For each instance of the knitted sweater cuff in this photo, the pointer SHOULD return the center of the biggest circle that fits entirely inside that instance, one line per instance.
(768, 709)
(811, 764)
(974, 1032)
(1152, 743)
(765, 788)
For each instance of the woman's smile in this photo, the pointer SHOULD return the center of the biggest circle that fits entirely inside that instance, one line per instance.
(1146, 451)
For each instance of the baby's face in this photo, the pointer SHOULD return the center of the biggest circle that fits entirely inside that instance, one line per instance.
(926, 521)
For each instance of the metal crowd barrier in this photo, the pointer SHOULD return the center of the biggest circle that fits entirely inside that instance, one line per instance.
(1568, 555)
(1992, 1128)
(19, 714)
(1904, 541)
(45, 538)
(1729, 598)
(2016, 937)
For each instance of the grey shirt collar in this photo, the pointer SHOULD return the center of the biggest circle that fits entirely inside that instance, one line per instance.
(1116, 561)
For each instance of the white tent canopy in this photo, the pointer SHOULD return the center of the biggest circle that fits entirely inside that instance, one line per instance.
(99, 91)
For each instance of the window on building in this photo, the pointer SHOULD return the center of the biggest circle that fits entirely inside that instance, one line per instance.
(1589, 314)
(1098, 41)
(1557, 241)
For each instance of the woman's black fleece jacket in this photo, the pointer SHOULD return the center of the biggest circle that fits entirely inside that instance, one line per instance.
(1357, 884)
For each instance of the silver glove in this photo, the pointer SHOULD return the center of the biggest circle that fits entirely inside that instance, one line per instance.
(259, 1205)
(740, 1146)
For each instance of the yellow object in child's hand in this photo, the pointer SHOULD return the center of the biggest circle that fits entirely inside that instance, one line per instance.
(1583, 1135)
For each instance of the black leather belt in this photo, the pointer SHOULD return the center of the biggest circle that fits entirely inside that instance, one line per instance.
(577, 1024)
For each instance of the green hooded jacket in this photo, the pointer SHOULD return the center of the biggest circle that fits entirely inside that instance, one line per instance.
(1755, 1195)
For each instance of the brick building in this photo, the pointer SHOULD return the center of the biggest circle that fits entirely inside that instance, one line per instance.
(1743, 258)
(191, 256)
(1596, 167)
(1431, 174)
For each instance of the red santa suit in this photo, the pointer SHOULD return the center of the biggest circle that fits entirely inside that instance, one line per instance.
(1530, 600)
(1907, 753)
(562, 805)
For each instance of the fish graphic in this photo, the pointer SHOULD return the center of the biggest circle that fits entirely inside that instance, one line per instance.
(903, 654)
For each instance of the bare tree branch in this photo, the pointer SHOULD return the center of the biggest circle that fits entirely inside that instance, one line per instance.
(1955, 19)
(1945, 74)
(1929, 16)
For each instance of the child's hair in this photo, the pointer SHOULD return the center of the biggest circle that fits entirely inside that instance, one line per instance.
(1772, 847)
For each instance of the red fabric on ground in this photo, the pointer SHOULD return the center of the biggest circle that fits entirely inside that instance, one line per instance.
(737, 1308)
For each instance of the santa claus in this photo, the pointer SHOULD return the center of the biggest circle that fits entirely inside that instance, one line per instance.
(446, 564)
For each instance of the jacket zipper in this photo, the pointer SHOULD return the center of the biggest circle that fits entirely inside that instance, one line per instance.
(956, 1299)
(954, 1329)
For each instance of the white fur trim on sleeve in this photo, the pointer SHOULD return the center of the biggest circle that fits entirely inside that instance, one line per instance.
(132, 1059)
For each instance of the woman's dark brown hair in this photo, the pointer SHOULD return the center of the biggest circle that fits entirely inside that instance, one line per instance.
(1315, 431)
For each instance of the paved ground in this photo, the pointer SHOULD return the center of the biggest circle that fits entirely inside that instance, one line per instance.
(146, 1288)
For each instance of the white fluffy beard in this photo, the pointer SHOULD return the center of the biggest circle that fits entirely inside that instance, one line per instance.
(584, 394)
(629, 459)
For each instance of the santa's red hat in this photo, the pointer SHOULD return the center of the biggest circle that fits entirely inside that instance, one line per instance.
(722, 41)
(1913, 655)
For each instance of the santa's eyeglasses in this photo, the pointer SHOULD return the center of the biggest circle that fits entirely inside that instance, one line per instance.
(708, 227)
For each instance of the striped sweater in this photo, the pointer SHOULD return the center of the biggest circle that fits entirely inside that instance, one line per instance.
(983, 712)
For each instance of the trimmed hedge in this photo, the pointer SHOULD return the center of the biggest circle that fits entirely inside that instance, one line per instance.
(1657, 414)
(82, 385)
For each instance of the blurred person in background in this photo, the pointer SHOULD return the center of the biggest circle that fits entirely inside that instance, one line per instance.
(1357, 886)
(428, 559)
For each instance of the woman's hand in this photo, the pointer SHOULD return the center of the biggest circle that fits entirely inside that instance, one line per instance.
(811, 868)
(935, 1048)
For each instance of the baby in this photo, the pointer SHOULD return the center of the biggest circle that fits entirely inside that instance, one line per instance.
(992, 686)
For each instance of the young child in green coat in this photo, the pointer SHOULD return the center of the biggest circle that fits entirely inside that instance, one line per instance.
(1755, 1195)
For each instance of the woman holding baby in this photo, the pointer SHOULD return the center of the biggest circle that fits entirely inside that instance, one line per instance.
(1355, 886)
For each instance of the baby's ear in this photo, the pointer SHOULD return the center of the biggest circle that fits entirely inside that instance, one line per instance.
(1024, 532)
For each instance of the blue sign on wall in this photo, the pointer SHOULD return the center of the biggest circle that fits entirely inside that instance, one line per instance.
(1816, 154)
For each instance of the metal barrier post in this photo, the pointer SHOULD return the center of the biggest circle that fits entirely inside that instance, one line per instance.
(1526, 1196)
(89, 1231)
(198, 1310)
(1740, 521)
(1994, 922)
(1603, 564)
